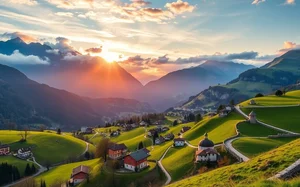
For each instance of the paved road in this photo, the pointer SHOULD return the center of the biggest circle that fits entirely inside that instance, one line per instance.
(270, 126)
(228, 144)
(163, 169)
(276, 106)
(284, 172)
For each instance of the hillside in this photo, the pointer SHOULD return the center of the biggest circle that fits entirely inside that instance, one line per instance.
(247, 173)
(24, 101)
(281, 72)
(183, 83)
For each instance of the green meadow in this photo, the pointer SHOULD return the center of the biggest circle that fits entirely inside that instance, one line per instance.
(286, 118)
(62, 173)
(20, 164)
(252, 147)
(255, 170)
(255, 130)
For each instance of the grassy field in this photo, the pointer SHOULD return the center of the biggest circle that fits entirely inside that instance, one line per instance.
(291, 98)
(20, 164)
(286, 118)
(255, 130)
(62, 173)
(218, 129)
(247, 173)
(43, 143)
(183, 157)
(252, 147)
(133, 142)
(128, 135)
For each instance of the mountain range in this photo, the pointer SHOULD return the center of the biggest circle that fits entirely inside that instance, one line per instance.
(279, 73)
(23, 101)
(94, 77)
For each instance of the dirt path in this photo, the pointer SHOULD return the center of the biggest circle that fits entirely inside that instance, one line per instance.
(169, 178)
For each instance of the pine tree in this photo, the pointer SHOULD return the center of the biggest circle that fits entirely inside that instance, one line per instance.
(33, 169)
(27, 170)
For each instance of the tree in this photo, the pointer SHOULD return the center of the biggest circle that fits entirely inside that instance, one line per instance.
(140, 146)
(87, 155)
(155, 135)
(27, 170)
(24, 134)
(278, 93)
(58, 131)
(221, 107)
(32, 169)
(175, 123)
(101, 149)
(198, 118)
(259, 95)
(232, 102)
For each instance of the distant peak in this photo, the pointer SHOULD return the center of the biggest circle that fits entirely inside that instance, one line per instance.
(16, 40)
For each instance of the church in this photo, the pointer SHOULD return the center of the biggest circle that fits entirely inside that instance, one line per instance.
(206, 151)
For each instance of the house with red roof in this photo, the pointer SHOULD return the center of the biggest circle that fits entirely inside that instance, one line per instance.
(137, 160)
(116, 151)
(4, 149)
(79, 174)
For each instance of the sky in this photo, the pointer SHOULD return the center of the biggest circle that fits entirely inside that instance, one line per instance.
(152, 38)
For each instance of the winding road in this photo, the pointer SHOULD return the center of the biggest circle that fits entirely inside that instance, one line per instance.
(169, 178)
(228, 145)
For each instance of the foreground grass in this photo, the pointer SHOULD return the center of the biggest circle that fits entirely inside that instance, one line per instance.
(217, 128)
(252, 147)
(291, 98)
(247, 173)
(62, 173)
(179, 161)
(255, 130)
(49, 147)
(20, 164)
(286, 118)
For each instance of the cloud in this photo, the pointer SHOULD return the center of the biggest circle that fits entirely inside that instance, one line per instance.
(256, 2)
(24, 2)
(62, 44)
(180, 7)
(73, 4)
(65, 14)
(17, 58)
(12, 35)
(139, 3)
(290, 2)
(287, 46)
(52, 51)
(94, 50)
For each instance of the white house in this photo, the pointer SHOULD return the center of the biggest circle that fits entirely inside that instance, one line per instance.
(179, 142)
(252, 117)
(206, 151)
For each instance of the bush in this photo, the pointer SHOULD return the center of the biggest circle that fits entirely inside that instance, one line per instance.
(278, 93)
(259, 95)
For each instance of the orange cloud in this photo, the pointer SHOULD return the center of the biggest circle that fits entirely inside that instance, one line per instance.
(24, 37)
(180, 7)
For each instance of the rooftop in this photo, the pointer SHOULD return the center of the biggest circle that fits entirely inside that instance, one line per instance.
(81, 168)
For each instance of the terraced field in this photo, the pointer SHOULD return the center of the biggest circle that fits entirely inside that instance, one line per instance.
(252, 147)
(256, 170)
(286, 118)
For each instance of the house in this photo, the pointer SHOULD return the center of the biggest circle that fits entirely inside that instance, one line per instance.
(86, 130)
(206, 151)
(114, 133)
(24, 153)
(79, 174)
(228, 109)
(4, 150)
(252, 102)
(252, 117)
(169, 137)
(184, 129)
(143, 124)
(136, 161)
(159, 140)
(151, 132)
(116, 151)
(127, 127)
(164, 129)
(146, 151)
(223, 113)
(179, 142)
